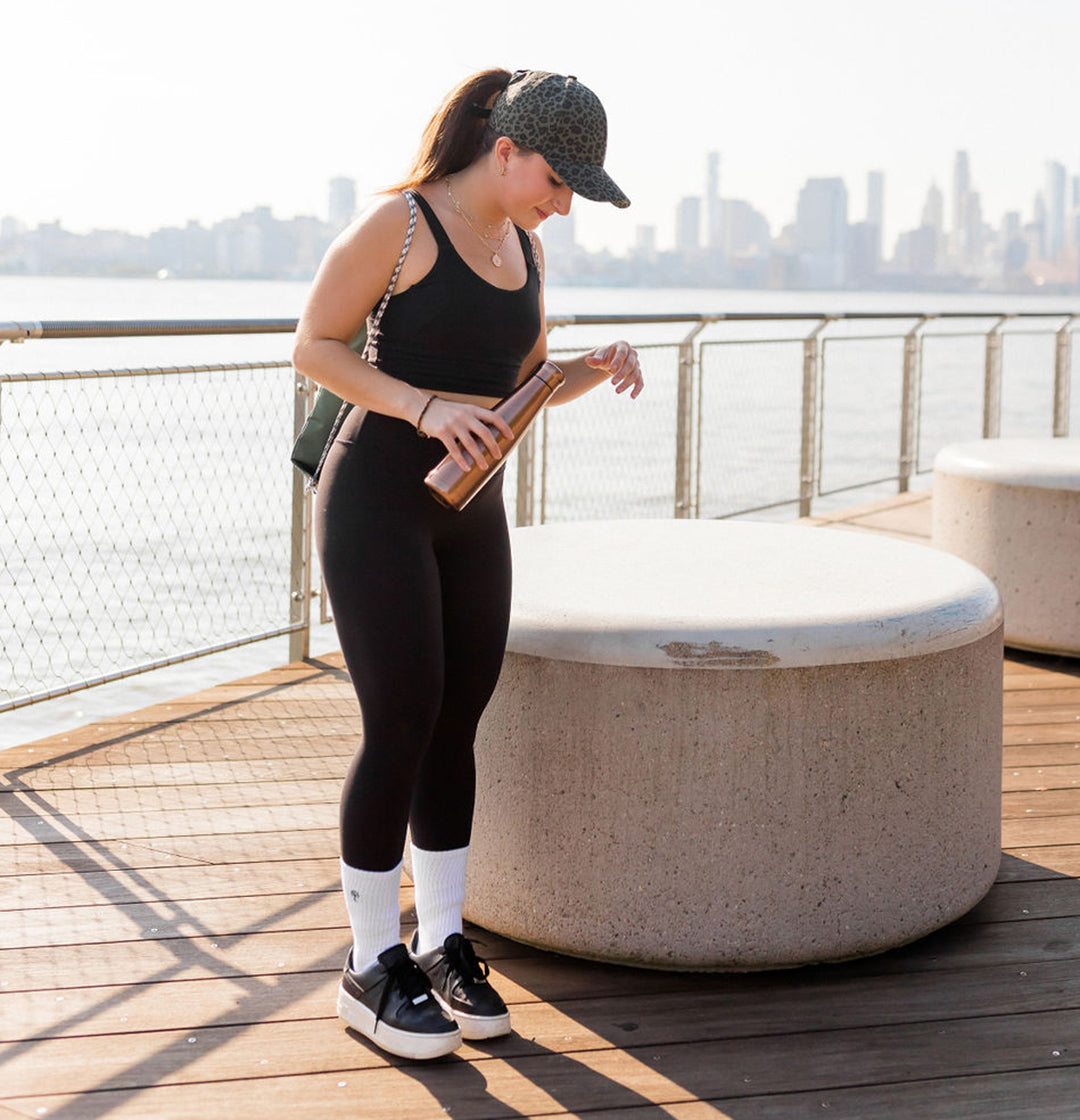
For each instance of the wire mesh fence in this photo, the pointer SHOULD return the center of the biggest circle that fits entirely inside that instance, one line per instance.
(599, 459)
(143, 519)
(150, 514)
(749, 419)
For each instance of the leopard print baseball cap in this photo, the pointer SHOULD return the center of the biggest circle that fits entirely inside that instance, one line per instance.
(563, 120)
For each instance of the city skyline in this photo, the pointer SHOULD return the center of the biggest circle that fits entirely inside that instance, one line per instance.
(122, 126)
(718, 241)
(337, 212)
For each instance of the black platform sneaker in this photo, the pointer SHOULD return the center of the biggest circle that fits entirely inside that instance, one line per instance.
(391, 1003)
(459, 980)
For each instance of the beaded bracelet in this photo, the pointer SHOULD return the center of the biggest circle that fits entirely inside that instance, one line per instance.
(427, 405)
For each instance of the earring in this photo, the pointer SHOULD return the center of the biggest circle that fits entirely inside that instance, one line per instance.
(502, 169)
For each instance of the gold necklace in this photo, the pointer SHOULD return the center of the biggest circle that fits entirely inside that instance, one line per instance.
(496, 260)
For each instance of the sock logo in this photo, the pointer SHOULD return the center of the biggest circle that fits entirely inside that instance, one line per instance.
(355, 895)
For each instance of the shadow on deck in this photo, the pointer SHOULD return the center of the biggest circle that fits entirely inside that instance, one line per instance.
(172, 939)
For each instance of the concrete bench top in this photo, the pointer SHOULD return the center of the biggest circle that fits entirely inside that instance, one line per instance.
(1053, 464)
(730, 595)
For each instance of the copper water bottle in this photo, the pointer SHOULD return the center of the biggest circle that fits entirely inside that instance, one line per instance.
(455, 486)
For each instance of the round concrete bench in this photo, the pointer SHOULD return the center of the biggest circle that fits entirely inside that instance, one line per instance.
(720, 745)
(1011, 507)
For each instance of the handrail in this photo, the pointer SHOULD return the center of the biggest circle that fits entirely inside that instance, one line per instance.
(680, 479)
(152, 328)
(140, 328)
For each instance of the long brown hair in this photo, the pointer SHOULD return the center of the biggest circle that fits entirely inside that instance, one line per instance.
(457, 133)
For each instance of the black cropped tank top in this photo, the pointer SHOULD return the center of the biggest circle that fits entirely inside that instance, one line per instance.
(453, 331)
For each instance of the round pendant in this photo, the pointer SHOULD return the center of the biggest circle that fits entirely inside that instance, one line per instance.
(496, 260)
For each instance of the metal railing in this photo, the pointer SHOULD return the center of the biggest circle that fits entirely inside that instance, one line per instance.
(151, 515)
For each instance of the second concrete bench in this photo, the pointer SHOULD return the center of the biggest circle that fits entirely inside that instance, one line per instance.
(1012, 508)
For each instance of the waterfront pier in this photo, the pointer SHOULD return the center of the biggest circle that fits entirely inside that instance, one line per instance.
(173, 938)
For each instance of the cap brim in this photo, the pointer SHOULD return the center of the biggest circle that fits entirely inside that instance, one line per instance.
(591, 182)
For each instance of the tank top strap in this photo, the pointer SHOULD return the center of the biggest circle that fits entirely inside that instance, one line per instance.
(527, 248)
(442, 238)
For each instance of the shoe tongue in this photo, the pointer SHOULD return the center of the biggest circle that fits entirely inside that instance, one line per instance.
(395, 955)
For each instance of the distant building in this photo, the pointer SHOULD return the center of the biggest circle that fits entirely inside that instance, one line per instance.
(560, 236)
(1054, 200)
(863, 254)
(918, 251)
(933, 211)
(875, 211)
(1074, 213)
(961, 192)
(744, 230)
(688, 225)
(714, 216)
(821, 226)
(342, 202)
(645, 241)
(974, 234)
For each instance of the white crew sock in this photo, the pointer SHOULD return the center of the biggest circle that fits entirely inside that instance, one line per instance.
(439, 879)
(372, 900)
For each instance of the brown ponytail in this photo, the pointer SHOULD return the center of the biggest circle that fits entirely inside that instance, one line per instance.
(456, 134)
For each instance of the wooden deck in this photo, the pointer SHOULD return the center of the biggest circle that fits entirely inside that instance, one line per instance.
(172, 937)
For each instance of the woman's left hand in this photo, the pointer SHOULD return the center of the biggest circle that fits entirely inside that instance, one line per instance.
(620, 362)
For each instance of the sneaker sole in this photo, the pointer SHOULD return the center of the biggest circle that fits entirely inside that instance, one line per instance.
(482, 1026)
(474, 1027)
(403, 1044)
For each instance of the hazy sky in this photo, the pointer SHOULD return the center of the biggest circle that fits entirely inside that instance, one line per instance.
(134, 115)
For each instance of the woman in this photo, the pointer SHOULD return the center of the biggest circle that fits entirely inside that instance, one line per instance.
(420, 593)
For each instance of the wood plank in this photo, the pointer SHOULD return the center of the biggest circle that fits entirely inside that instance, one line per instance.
(38, 858)
(1014, 716)
(1041, 733)
(44, 968)
(145, 825)
(1024, 1095)
(314, 902)
(1037, 700)
(191, 742)
(40, 968)
(175, 883)
(213, 1052)
(1040, 803)
(1040, 778)
(1030, 831)
(728, 1070)
(1017, 679)
(1019, 863)
(1032, 898)
(181, 771)
(668, 1006)
(162, 919)
(1057, 754)
(75, 804)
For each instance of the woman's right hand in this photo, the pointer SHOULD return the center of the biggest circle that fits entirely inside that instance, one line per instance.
(466, 430)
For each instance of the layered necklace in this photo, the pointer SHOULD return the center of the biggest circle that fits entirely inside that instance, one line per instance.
(485, 239)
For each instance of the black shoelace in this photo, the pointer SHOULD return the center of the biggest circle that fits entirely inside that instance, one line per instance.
(406, 976)
(463, 959)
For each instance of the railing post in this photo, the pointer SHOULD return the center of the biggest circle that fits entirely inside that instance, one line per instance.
(992, 381)
(684, 426)
(909, 405)
(1062, 377)
(300, 539)
(525, 502)
(808, 459)
(526, 483)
